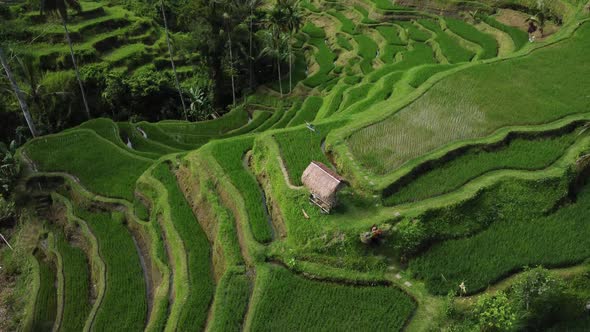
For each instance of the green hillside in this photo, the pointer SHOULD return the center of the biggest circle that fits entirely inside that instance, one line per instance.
(463, 148)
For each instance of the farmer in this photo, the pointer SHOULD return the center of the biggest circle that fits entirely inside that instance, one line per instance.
(375, 232)
(532, 29)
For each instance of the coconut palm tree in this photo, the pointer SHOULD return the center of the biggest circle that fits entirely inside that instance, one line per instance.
(228, 29)
(19, 95)
(275, 42)
(60, 8)
(253, 6)
(172, 59)
(293, 21)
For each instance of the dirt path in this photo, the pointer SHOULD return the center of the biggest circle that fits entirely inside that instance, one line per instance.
(286, 175)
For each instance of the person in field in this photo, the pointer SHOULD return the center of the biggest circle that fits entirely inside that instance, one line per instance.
(532, 29)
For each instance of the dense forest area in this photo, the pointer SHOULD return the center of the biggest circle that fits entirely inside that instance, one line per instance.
(225, 49)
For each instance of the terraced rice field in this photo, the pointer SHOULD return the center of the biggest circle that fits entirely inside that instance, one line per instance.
(436, 125)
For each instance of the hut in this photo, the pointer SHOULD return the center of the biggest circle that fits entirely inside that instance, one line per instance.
(323, 184)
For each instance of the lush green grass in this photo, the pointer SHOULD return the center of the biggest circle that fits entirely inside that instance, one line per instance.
(522, 234)
(300, 147)
(323, 56)
(347, 25)
(451, 49)
(156, 134)
(447, 175)
(125, 52)
(487, 42)
(534, 89)
(293, 303)
(289, 114)
(381, 91)
(390, 52)
(198, 254)
(367, 51)
(231, 302)
(275, 117)
(385, 5)
(125, 285)
(308, 111)
(420, 55)
(140, 209)
(391, 34)
(100, 165)
(365, 14)
(519, 37)
(230, 155)
(413, 32)
(424, 73)
(76, 303)
(46, 301)
(258, 119)
(232, 120)
(107, 129)
(332, 101)
(142, 144)
(355, 94)
(343, 42)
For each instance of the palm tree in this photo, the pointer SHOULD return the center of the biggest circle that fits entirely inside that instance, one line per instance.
(293, 21)
(228, 30)
(253, 5)
(172, 59)
(275, 48)
(60, 8)
(18, 93)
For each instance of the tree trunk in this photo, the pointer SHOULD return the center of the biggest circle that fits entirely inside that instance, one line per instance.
(250, 56)
(290, 68)
(231, 60)
(19, 94)
(280, 78)
(172, 60)
(63, 21)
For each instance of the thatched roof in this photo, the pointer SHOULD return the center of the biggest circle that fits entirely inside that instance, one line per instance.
(321, 180)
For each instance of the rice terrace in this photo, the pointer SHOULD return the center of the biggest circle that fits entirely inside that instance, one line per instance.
(295, 165)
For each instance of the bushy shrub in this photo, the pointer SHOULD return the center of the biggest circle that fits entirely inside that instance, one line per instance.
(542, 298)
(409, 236)
(495, 313)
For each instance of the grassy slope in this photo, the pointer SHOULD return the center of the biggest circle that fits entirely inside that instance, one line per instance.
(521, 235)
(534, 89)
(233, 295)
(229, 155)
(100, 165)
(77, 285)
(46, 301)
(520, 153)
(125, 285)
(200, 279)
(293, 303)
